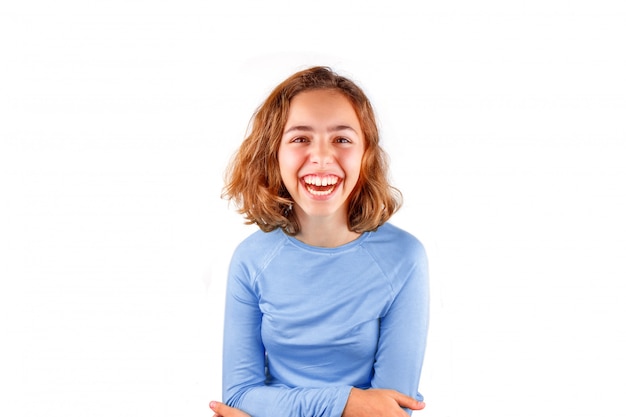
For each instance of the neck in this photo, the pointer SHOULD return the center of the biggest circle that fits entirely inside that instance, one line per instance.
(324, 232)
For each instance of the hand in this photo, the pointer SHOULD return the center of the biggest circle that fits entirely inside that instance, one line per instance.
(379, 402)
(222, 410)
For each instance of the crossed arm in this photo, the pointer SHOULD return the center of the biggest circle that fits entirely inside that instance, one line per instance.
(361, 403)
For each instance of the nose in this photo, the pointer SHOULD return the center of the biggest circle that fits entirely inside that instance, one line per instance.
(321, 154)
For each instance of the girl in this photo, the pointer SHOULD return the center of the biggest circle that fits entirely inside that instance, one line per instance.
(327, 305)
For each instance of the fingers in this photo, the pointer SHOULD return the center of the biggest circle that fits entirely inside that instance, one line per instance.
(406, 401)
(213, 405)
(219, 408)
(222, 410)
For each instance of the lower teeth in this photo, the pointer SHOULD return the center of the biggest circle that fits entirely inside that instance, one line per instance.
(325, 191)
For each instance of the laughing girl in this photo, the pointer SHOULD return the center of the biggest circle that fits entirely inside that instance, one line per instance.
(327, 304)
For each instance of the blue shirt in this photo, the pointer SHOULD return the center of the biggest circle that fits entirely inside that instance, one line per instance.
(305, 324)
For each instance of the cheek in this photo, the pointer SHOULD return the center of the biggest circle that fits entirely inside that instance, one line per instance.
(281, 159)
(354, 163)
(286, 166)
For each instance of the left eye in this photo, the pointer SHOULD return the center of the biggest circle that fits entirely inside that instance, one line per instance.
(342, 140)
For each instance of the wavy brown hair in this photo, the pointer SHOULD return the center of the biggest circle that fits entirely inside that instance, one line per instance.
(253, 180)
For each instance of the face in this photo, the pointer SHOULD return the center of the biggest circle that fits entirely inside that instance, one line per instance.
(320, 153)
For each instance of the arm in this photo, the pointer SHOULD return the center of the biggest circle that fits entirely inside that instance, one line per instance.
(401, 349)
(403, 332)
(244, 363)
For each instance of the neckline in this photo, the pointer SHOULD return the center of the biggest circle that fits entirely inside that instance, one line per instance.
(320, 249)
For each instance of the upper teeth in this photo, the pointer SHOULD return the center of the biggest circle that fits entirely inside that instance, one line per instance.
(320, 181)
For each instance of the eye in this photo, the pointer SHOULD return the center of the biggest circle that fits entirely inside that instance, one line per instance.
(300, 139)
(342, 140)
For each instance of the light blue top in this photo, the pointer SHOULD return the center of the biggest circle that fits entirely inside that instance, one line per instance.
(304, 324)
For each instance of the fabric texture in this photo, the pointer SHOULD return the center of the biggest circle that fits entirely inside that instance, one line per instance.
(304, 324)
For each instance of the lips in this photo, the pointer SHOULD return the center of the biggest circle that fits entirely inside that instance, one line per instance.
(320, 185)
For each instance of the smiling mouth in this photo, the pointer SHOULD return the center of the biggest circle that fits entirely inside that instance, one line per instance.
(320, 185)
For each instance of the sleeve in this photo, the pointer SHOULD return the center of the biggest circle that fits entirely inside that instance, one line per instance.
(403, 330)
(243, 373)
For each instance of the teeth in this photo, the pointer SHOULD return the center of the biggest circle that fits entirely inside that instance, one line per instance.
(321, 181)
(318, 193)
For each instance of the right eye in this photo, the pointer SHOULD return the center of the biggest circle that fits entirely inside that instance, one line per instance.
(300, 139)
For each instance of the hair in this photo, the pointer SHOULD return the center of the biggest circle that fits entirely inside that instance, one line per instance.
(253, 180)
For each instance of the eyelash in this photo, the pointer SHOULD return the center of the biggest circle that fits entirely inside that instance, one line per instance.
(337, 140)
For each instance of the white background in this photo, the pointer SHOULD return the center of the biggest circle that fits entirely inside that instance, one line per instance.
(505, 125)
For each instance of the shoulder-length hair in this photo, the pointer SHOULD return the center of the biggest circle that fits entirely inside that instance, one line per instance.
(253, 180)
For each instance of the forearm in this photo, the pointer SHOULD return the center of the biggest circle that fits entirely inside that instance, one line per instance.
(268, 401)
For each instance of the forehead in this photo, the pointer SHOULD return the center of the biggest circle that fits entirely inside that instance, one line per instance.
(322, 105)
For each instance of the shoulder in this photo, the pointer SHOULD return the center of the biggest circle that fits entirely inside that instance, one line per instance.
(398, 253)
(259, 239)
(395, 242)
(256, 250)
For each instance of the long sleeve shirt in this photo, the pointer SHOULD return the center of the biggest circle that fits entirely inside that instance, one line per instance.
(305, 324)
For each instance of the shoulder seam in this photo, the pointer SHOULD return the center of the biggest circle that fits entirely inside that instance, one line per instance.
(280, 243)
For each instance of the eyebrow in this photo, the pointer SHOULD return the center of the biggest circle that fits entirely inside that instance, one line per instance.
(310, 129)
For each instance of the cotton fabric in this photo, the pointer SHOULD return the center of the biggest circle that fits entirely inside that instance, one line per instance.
(305, 324)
